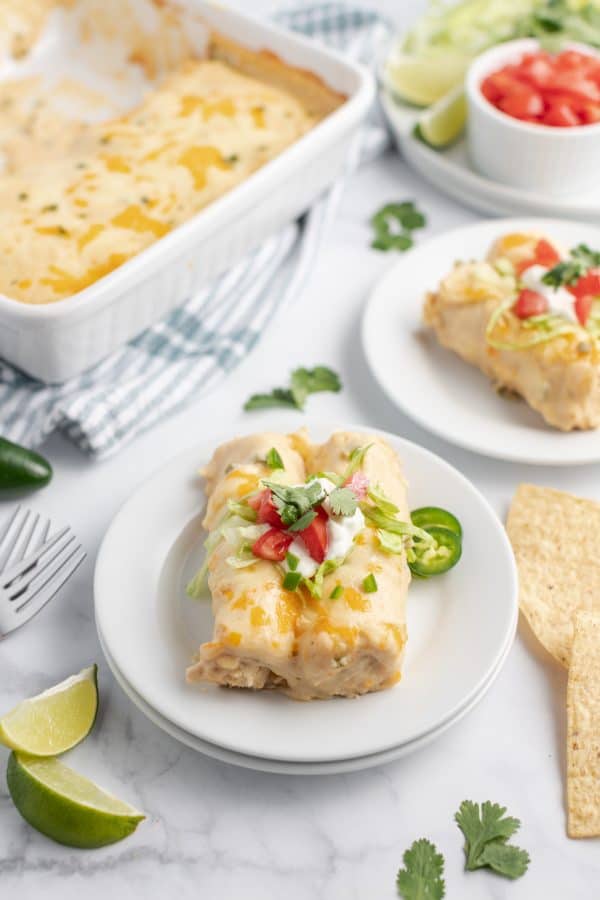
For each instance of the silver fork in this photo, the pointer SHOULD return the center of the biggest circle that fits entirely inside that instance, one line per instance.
(33, 566)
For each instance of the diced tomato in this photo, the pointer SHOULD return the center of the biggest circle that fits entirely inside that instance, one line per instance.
(590, 113)
(530, 303)
(272, 545)
(562, 91)
(545, 255)
(255, 500)
(583, 307)
(537, 69)
(522, 103)
(266, 511)
(587, 284)
(358, 484)
(561, 114)
(315, 537)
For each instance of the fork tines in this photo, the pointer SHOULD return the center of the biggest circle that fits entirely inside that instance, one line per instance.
(34, 566)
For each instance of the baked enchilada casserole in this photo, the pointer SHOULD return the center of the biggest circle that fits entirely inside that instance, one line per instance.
(308, 562)
(79, 198)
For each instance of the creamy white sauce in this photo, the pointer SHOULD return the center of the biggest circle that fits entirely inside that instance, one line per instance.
(341, 531)
(559, 299)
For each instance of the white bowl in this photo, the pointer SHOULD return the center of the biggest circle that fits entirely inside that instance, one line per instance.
(556, 161)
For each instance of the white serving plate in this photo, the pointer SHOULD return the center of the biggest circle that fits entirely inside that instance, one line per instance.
(151, 629)
(452, 172)
(54, 342)
(280, 767)
(434, 386)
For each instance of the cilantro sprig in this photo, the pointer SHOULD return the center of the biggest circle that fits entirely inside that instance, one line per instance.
(394, 224)
(487, 829)
(569, 271)
(295, 504)
(421, 878)
(303, 382)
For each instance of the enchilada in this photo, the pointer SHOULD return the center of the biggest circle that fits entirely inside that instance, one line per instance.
(324, 614)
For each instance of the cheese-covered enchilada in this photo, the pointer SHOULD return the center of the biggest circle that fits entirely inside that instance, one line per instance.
(308, 565)
(529, 318)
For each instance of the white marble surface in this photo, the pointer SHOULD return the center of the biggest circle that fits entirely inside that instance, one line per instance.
(219, 832)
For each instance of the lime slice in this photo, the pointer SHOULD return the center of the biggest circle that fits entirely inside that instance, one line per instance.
(53, 721)
(443, 122)
(422, 80)
(65, 806)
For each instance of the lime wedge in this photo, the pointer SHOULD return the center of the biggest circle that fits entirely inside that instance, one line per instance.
(423, 80)
(443, 122)
(53, 721)
(65, 806)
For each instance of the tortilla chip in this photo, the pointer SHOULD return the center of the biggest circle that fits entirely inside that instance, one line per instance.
(583, 729)
(555, 539)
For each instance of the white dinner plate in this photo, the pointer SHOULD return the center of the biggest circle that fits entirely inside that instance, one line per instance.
(451, 171)
(280, 767)
(436, 388)
(459, 624)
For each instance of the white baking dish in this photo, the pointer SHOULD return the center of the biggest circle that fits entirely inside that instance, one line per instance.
(56, 341)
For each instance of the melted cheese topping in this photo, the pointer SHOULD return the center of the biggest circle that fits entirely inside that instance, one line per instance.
(76, 203)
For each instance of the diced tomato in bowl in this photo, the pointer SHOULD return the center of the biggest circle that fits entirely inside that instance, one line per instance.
(559, 91)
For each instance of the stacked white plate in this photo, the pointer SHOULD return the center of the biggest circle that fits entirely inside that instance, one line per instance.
(461, 627)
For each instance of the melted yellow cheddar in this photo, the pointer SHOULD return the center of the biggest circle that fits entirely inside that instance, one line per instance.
(102, 193)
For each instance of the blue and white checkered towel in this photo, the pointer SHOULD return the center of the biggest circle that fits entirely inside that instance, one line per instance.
(191, 350)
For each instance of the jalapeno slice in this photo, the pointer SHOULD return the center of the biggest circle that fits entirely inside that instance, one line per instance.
(443, 555)
(427, 516)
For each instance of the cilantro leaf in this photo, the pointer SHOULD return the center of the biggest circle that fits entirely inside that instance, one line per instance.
(312, 381)
(486, 830)
(393, 225)
(304, 521)
(569, 271)
(421, 877)
(507, 860)
(274, 460)
(278, 397)
(303, 382)
(343, 502)
(294, 502)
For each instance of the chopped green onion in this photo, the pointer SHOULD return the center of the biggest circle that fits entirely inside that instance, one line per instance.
(369, 584)
(292, 580)
(336, 592)
(274, 460)
(292, 561)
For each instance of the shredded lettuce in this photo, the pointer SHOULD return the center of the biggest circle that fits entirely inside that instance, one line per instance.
(242, 509)
(356, 460)
(197, 586)
(468, 27)
(381, 501)
(315, 584)
(546, 329)
(391, 543)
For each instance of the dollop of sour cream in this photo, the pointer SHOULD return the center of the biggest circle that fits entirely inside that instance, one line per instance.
(341, 531)
(559, 299)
